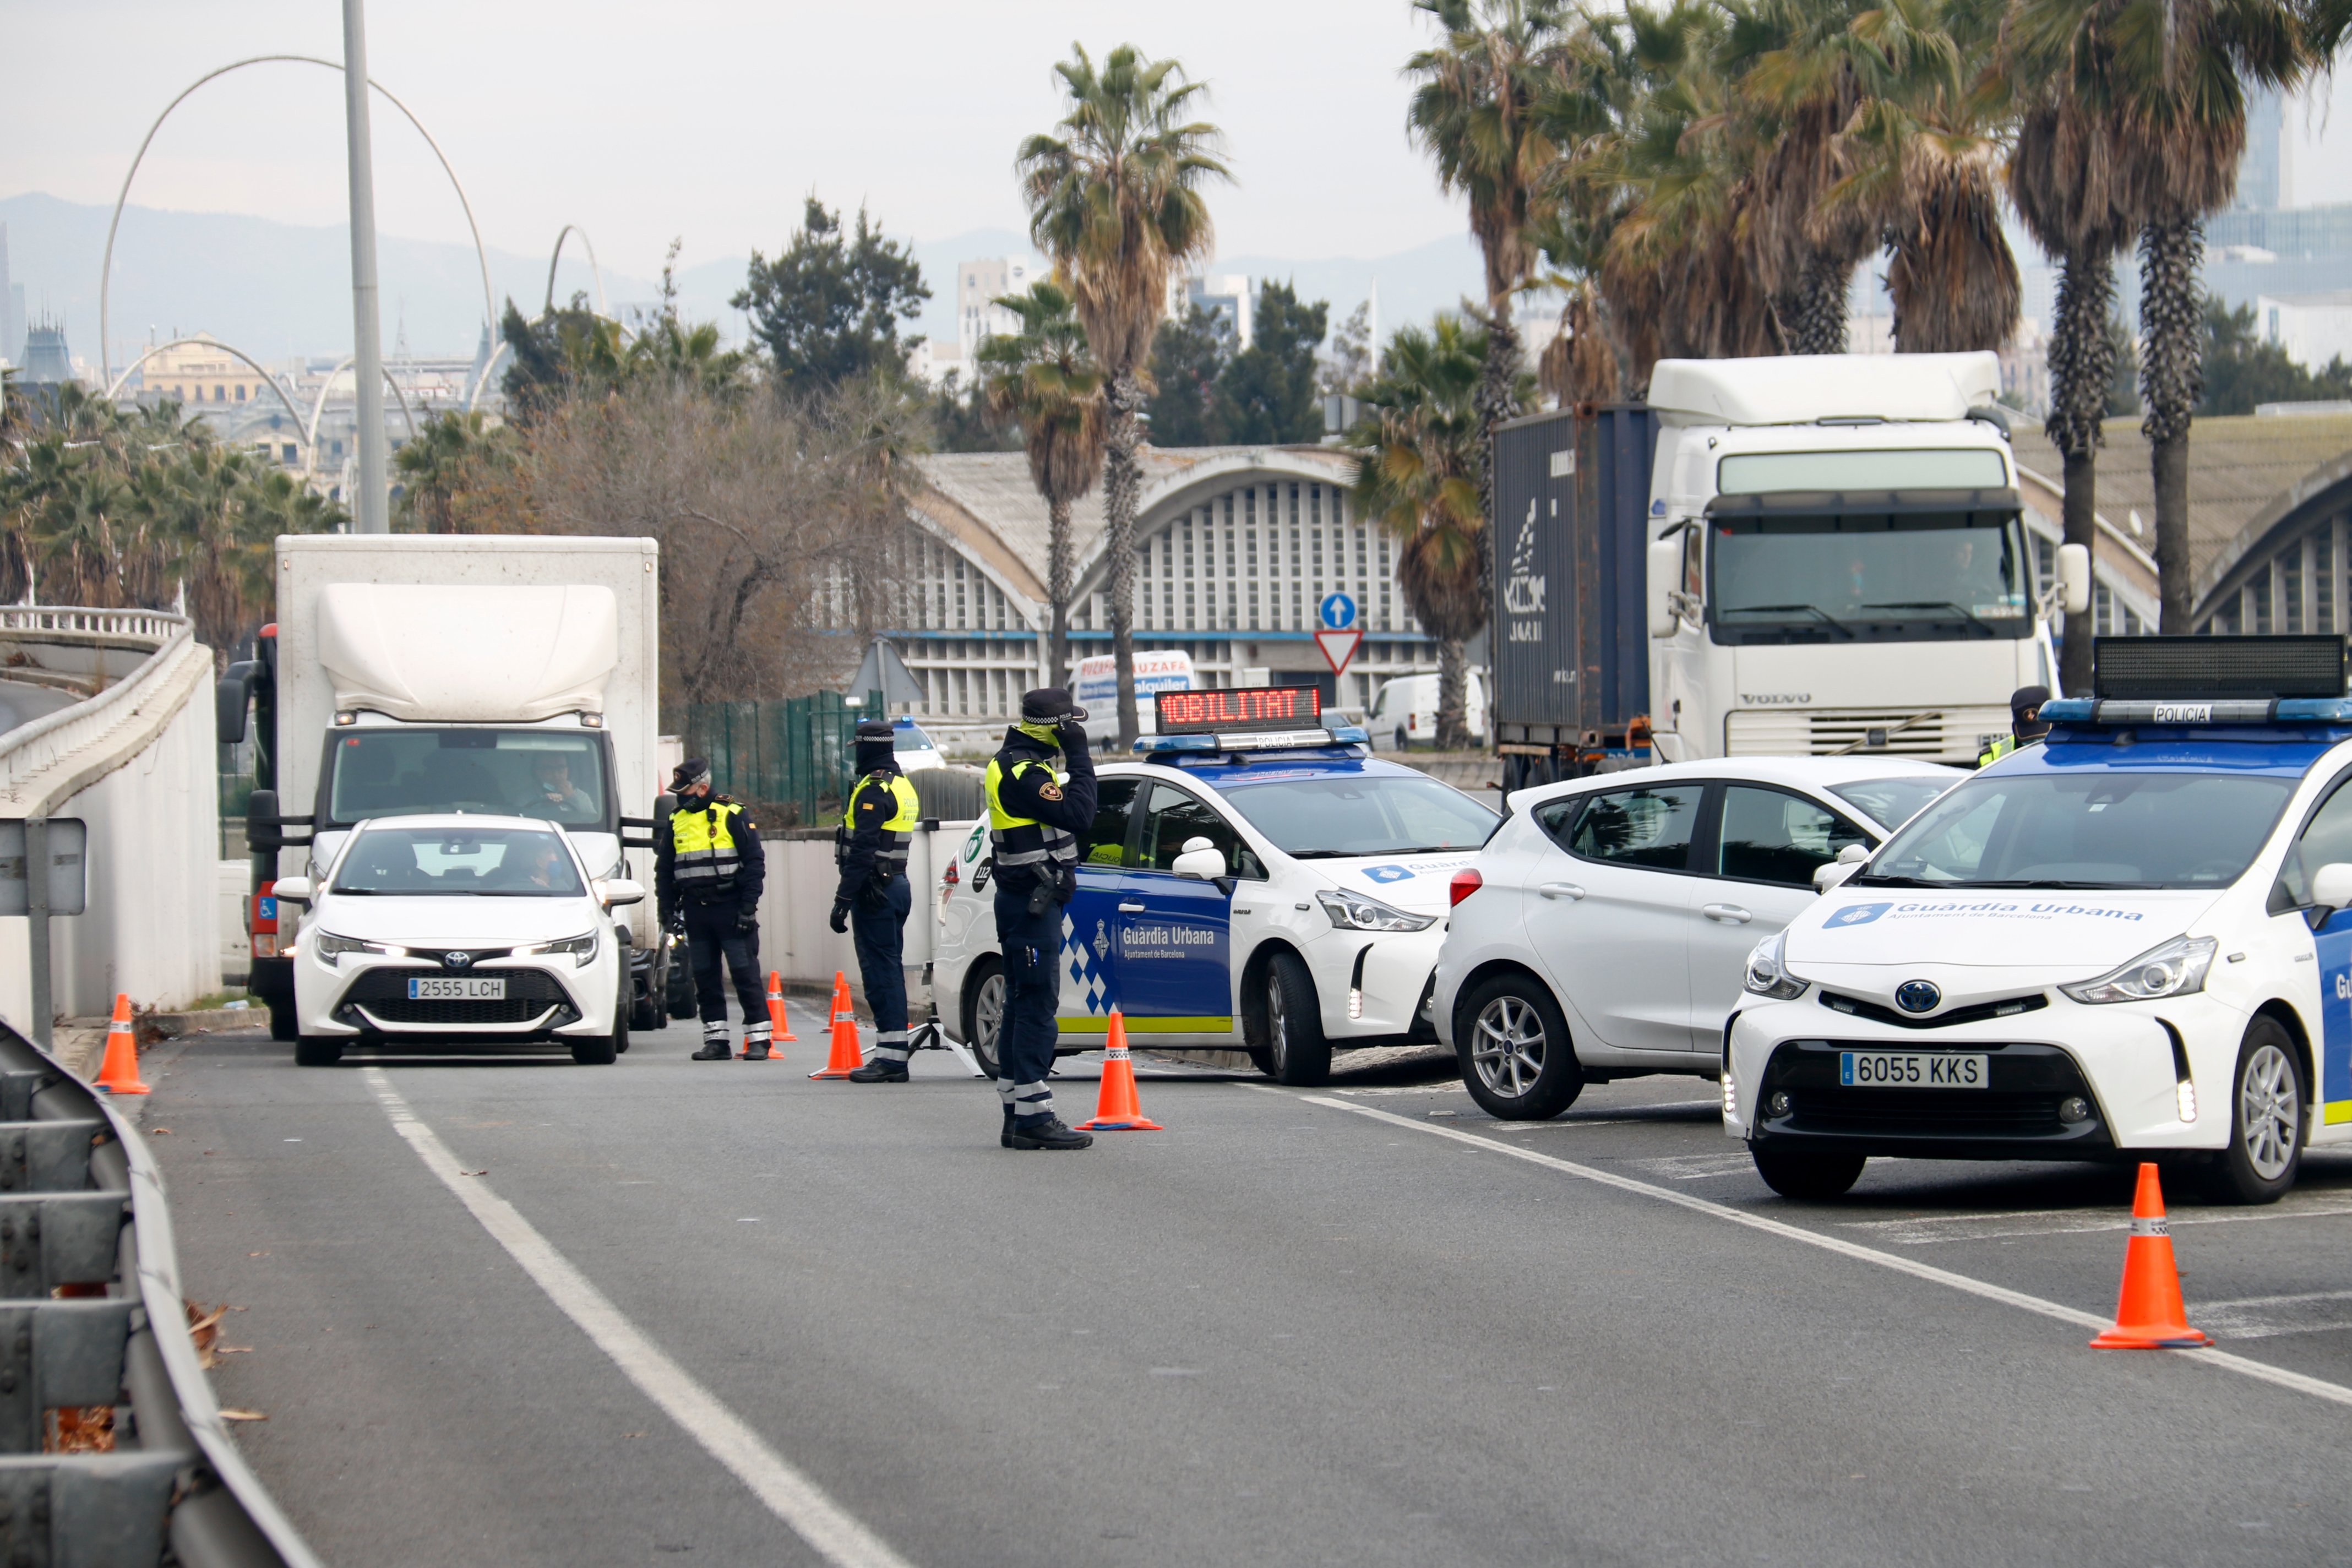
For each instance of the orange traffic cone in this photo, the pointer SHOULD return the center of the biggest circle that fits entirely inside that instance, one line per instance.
(2149, 1315)
(845, 1058)
(1117, 1109)
(780, 1022)
(119, 1073)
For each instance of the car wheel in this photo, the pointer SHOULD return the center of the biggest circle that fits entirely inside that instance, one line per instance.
(312, 1051)
(2266, 1108)
(1807, 1177)
(1261, 1058)
(1516, 1059)
(598, 1050)
(283, 1024)
(983, 1012)
(1296, 1049)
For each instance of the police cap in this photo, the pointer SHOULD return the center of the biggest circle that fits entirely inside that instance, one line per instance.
(876, 730)
(2026, 697)
(1049, 705)
(689, 772)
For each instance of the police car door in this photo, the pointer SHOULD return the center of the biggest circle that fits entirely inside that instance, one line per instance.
(1759, 877)
(2325, 839)
(1090, 920)
(1175, 934)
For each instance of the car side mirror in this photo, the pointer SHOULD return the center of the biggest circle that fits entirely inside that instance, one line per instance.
(2073, 578)
(618, 890)
(297, 890)
(1203, 862)
(1853, 855)
(2331, 886)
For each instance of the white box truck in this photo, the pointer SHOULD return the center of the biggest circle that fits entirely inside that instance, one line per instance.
(413, 674)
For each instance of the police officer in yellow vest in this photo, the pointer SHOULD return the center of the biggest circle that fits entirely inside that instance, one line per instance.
(2025, 724)
(1033, 821)
(707, 874)
(870, 847)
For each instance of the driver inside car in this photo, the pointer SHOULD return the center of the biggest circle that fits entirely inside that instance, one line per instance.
(554, 793)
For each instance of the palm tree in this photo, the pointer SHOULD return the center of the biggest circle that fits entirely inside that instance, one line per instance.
(1420, 451)
(456, 452)
(1046, 380)
(1115, 200)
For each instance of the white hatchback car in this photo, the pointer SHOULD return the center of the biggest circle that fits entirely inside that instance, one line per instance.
(1604, 931)
(460, 930)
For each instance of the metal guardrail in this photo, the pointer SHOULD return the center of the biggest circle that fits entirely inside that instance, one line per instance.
(155, 627)
(92, 1316)
(35, 748)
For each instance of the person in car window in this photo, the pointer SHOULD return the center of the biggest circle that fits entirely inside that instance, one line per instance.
(556, 795)
(539, 863)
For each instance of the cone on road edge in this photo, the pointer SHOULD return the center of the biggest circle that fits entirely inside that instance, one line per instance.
(119, 1072)
(2149, 1314)
(845, 1058)
(1117, 1109)
(780, 1022)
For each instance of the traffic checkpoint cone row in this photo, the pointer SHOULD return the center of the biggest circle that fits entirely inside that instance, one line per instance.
(2149, 1314)
(845, 1058)
(119, 1072)
(780, 1022)
(1117, 1109)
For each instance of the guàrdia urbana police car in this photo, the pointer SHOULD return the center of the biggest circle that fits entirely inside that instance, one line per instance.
(2132, 941)
(1255, 881)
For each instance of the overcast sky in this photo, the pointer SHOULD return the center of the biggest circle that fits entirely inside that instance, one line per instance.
(711, 119)
(703, 118)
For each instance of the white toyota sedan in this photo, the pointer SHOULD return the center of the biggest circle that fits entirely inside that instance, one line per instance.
(1604, 930)
(460, 930)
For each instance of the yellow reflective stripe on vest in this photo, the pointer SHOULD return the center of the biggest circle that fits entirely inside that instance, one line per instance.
(1023, 840)
(906, 815)
(703, 844)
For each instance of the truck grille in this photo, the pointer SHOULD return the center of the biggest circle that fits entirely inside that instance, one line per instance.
(530, 993)
(1937, 734)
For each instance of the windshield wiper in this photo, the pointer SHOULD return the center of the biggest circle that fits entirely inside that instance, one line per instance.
(2070, 887)
(1961, 610)
(1866, 880)
(1841, 627)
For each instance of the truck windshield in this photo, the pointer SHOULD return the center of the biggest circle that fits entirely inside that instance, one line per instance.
(1333, 817)
(508, 773)
(2096, 829)
(496, 862)
(1868, 578)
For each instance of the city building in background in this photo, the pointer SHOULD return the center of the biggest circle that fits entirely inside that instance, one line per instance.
(1227, 297)
(48, 361)
(2313, 329)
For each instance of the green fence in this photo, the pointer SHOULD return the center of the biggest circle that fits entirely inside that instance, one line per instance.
(792, 757)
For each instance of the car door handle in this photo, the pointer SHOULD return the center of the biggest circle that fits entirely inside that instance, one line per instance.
(1730, 914)
(1560, 890)
(1130, 909)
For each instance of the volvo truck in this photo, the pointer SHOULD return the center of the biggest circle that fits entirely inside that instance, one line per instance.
(1807, 555)
(409, 675)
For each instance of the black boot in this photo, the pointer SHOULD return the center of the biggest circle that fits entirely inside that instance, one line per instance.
(880, 1069)
(1047, 1134)
(715, 1049)
(755, 1050)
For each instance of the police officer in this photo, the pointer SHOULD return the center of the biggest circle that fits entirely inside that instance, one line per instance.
(707, 873)
(2025, 724)
(874, 896)
(1033, 821)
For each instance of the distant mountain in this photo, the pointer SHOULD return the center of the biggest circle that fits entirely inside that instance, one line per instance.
(278, 289)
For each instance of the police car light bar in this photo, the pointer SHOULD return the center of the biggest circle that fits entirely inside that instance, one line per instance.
(2234, 669)
(1264, 741)
(2241, 711)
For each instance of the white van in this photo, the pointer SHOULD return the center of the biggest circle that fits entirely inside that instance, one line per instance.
(1404, 712)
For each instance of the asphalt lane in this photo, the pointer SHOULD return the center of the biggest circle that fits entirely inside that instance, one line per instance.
(1276, 1332)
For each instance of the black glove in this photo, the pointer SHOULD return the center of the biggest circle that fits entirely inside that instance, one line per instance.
(747, 919)
(840, 922)
(673, 922)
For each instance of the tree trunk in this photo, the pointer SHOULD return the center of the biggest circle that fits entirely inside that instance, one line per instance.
(2082, 361)
(1498, 401)
(2171, 379)
(1122, 483)
(1057, 589)
(1453, 730)
(1813, 310)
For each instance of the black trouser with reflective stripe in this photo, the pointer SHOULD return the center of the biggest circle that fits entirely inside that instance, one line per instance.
(711, 934)
(877, 920)
(1032, 945)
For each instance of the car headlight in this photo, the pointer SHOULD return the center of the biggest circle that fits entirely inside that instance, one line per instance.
(2176, 968)
(581, 948)
(1768, 974)
(1353, 912)
(330, 947)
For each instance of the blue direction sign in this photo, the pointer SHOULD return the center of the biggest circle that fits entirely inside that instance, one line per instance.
(1338, 611)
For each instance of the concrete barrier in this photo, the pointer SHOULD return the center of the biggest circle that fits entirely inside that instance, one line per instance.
(794, 938)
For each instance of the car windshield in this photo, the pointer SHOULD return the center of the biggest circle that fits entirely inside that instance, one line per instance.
(2098, 829)
(407, 772)
(1325, 818)
(909, 738)
(498, 862)
(1891, 803)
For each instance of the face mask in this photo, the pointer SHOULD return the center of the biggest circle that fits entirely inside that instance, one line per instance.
(1043, 733)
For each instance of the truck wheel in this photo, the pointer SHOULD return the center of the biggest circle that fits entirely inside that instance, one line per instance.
(683, 1002)
(646, 1011)
(623, 1019)
(283, 1024)
(2266, 1105)
(983, 1012)
(1518, 1061)
(316, 1051)
(1807, 1177)
(1291, 1025)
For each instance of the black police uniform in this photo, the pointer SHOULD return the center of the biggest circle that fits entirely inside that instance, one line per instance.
(709, 871)
(874, 896)
(1034, 824)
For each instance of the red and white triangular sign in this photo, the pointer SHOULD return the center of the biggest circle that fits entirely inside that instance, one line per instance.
(1337, 648)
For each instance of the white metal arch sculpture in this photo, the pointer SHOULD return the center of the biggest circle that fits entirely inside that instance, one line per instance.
(106, 268)
(132, 368)
(594, 271)
(474, 393)
(318, 406)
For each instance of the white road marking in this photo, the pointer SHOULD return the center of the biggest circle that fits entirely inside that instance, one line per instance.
(1927, 1230)
(2318, 1388)
(830, 1531)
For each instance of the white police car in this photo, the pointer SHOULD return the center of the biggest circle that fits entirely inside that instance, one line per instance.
(1282, 893)
(2129, 942)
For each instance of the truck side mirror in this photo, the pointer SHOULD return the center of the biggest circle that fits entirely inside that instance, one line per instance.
(664, 805)
(261, 830)
(1665, 575)
(231, 698)
(2073, 578)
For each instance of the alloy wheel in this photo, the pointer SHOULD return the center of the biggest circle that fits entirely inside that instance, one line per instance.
(1506, 1046)
(988, 1016)
(2267, 1112)
(1277, 1029)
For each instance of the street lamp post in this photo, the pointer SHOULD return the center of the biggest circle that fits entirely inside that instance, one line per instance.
(370, 514)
